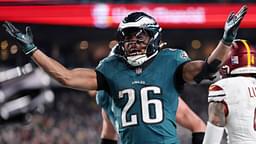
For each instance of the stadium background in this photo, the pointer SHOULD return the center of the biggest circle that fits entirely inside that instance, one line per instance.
(73, 116)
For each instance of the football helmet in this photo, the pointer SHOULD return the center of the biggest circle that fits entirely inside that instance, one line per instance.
(241, 59)
(138, 24)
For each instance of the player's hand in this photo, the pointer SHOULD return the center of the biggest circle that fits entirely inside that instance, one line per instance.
(232, 25)
(26, 40)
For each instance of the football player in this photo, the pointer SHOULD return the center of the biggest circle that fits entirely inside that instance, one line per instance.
(143, 80)
(232, 100)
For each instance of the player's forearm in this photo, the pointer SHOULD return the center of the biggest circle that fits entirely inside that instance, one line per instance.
(208, 68)
(220, 53)
(78, 78)
(108, 132)
(199, 125)
(110, 136)
(51, 66)
(191, 121)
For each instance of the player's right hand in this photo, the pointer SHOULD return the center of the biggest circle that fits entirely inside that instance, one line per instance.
(232, 25)
(26, 40)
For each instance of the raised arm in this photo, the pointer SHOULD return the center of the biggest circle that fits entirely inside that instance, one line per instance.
(79, 78)
(199, 70)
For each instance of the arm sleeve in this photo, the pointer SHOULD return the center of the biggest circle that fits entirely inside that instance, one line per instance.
(102, 82)
(178, 78)
(213, 134)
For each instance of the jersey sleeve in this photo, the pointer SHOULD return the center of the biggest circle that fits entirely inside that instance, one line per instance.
(102, 99)
(103, 73)
(216, 93)
(181, 57)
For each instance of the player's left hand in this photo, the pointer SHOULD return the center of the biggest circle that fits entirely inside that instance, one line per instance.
(232, 25)
(26, 40)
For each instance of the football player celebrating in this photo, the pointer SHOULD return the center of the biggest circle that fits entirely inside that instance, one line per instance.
(232, 100)
(143, 80)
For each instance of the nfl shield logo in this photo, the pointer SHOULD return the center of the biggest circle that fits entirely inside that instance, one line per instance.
(138, 70)
(234, 60)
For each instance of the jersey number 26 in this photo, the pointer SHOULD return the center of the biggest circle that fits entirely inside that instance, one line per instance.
(145, 103)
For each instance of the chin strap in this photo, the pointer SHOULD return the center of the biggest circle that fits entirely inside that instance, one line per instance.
(139, 59)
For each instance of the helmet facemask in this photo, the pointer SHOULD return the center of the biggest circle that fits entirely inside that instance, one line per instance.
(135, 42)
(139, 38)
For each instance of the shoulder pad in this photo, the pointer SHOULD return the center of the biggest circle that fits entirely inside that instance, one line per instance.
(216, 93)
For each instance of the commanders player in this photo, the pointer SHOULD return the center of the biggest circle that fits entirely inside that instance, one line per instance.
(232, 100)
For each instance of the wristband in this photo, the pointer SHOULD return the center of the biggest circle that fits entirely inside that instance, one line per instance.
(197, 137)
(107, 141)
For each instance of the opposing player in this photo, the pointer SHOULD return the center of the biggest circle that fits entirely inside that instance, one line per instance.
(232, 100)
(143, 80)
(184, 116)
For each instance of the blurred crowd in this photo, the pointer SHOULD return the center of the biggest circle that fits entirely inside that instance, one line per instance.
(74, 118)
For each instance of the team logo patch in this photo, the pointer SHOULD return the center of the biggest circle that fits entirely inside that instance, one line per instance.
(234, 60)
(216, 93)
(138, 70)
(184, 55)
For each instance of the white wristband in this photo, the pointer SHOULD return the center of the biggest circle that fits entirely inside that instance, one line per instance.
(213, 134)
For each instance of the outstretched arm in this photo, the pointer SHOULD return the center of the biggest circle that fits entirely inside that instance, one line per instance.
(199, 70)
(230, 31)
(79, 78)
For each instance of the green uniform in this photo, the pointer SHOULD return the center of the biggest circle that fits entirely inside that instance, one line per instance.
(105, 102)
(144, 101)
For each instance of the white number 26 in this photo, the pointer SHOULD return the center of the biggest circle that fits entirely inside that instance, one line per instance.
(145, 106)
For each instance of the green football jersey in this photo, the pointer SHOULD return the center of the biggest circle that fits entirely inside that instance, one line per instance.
(144, 100)
(105, 102)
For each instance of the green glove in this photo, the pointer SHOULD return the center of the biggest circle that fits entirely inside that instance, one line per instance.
(26, 40)
(232, 25)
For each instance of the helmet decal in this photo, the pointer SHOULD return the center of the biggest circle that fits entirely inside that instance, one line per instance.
(234, 60)
(248, 52)
(241, 59)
